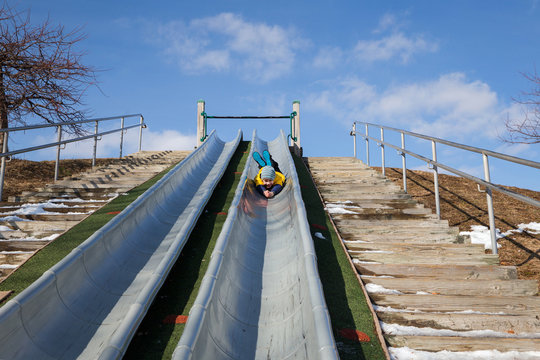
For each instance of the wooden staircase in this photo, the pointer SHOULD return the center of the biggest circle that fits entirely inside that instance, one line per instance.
(432, 289)
(65, 203)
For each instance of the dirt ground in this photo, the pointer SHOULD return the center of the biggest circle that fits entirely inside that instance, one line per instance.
(463, 205)
(26, 175)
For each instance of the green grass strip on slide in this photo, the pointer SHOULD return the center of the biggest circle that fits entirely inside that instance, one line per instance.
(44, 259)
(164, 323)
(344, 297)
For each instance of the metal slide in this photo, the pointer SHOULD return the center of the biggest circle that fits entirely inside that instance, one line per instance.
(89, 304)
(261, 297)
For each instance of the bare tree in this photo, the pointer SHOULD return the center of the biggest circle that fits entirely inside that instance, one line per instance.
(42, 78)
(526, 130)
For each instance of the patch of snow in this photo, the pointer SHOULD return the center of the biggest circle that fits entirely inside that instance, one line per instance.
(378, 277)
(405, 353)
(391, 309)
(480, 235)
(533, 228)
(339, 211)
(320, 236)
(374, 288)
(47, 238)
(422, 293)
(395, 329)
(342, 205)
(12, 218)
(356, 242)
(356, 261)
(8, 266)
(5, 228)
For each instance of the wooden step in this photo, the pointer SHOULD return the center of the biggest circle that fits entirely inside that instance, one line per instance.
(509, 305)
(22, 245)
(516, 324)
(448, 271)
(463, 344)
(396, 258)
(457, 287)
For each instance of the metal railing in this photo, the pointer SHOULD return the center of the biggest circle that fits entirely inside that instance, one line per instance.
(59, 143)
(435, 165)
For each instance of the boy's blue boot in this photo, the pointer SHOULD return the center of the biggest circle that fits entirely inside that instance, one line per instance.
(258, 159)
(266, 156)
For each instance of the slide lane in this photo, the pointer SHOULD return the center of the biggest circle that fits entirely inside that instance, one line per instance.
(89, 305)
(261, 297)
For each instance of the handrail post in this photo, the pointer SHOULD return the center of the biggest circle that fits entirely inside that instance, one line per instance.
(57, 164)
(382, 153)
(3, 166)
(95, 144)
(436, 180)
(404, 162)
(489, 198)
(295, 142)
(201, 122)
(353, 133)
(141, 123)
(367, 145)
(121, 136)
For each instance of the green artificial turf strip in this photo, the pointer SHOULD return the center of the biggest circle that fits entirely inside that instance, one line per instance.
(155, 339)
(44, 259)
(344, 297)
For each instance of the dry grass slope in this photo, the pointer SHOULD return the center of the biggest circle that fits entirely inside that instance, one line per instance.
(463, 205)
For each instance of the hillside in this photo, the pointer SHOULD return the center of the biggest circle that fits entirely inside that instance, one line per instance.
(461, 204)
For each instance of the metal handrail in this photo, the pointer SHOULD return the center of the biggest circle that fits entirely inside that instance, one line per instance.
(435, 165)
(495, 154)
(96, 136)
(41, 126)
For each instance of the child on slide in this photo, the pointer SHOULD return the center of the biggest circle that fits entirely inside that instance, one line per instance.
(268, 181)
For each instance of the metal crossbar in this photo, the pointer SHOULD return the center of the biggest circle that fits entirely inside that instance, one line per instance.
(486, 182)
(206, 117)
(96, 136)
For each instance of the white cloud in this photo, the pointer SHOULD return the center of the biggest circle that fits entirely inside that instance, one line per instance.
(451, 106)
(394, 46)
(328, 58)
(227, 42)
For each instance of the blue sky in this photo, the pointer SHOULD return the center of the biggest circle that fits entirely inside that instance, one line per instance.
(447, 69)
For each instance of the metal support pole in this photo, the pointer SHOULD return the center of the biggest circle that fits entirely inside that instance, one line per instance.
(3, 167)
(353, 133)
(382, 153)
(436, 180)
(141, 122)
(57, 165)
(201, 126)
(489, 198)
(95, 144)
(121, 136)
(404, 162)
(296, 144)
(367, 145)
